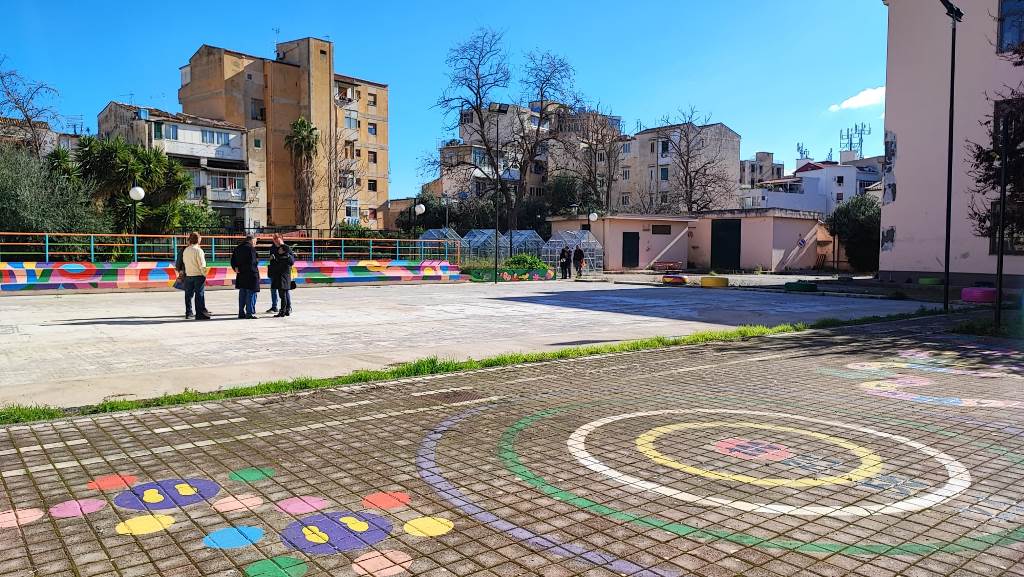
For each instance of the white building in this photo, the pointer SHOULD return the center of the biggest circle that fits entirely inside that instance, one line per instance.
(815, 186)
(214, 152)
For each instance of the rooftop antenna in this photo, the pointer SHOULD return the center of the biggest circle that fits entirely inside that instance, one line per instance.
(802, 150)
(829, 159)
(853, 138)
(277, 37)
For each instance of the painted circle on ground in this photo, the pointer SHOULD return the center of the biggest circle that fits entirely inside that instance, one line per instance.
(959, 479)
(753, 449)
(513, 463)
(889, 388)
(386, 500)
(328, 533)
(277, 567)
(428, 526)
(245, 501)
(233, 537)
(301, 505)
(76, 508)
(167, 494)
(109, 482)
(382, 563)
(874, 366)
(251, 474)
(144, 524)
(870, 463)
(18, 517)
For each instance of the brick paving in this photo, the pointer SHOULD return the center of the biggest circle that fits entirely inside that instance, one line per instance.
(882, 451)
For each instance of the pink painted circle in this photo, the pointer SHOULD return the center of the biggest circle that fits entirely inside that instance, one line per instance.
(382, 563)
(243, 502)
(301, 505)
(76, 508)
(16, 517)
(752, 449)
(386, 500)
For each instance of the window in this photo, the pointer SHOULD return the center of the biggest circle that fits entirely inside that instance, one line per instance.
(371, 185)
(223, 138)
(158, 131)
(256, 109)
(371, 128)
(371, 99)
(664, 174)
(248, 75)
(600, 156)
(625, 147)
(840, 180)
(839, 197)
(625, 199)
(352, 209)
(171, 132)
(664, 147)
(227, 181)
(1011, 24)
(257, 143)
(653, 147)
(479, 157)
(625, 174)
(466, 117)
(661, 229)
(371, 156)
(207, 136)
(351, 119)
(664, 198)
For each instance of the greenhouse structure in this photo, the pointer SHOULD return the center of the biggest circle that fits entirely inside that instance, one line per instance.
(448, 234)
(593, 252)
(479, 243)
(527, 242)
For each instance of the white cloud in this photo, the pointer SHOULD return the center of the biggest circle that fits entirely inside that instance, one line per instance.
(863, 99)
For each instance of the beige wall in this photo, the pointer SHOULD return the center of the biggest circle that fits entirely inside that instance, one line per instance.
(915, 116)
(653, 247)
(769, 242)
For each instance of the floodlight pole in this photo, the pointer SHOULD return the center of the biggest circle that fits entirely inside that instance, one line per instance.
(1000, 248)
(955, 15)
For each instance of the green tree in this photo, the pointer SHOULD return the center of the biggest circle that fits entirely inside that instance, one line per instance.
(855, 223)
(303, 143)
(33, 197)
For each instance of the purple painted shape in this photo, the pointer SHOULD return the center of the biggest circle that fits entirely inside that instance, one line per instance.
(76, 508)
(430, 472)
(133, 498)
(301, 505)
(340, 537)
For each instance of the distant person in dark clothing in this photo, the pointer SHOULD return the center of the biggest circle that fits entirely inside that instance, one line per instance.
(577, 260)
(279, 270)
(245, 263)
(565, 262)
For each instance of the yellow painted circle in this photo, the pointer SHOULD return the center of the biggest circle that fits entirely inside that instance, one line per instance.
(429, 526)
(144, 524)
(870, 462)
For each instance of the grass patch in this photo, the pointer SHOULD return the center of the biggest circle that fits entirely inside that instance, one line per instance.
(830, 323)
(432, 366)
(1013, 327)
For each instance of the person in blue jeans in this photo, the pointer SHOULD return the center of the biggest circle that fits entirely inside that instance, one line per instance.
(193, 264)
(247, 276)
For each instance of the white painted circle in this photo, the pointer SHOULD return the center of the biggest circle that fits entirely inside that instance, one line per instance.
(958, 482)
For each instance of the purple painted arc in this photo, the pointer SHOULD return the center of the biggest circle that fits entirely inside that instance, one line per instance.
(430, 472)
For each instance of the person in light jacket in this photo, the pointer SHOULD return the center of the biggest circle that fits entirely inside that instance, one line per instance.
(280, 272)
(193, 261)
(247, 276)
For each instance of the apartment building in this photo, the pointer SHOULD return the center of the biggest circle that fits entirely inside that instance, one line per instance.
(917, 108)
(815, 186)
(214, 152)
(761, 167)
(267, 95)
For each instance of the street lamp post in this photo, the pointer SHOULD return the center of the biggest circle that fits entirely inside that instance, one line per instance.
(136, 193)
(955, 15)
(1001, 237)
(501, 109)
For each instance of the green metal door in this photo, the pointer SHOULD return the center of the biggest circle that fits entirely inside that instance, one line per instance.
(725, 244)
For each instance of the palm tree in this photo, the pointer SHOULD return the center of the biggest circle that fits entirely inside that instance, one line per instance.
(303, 144)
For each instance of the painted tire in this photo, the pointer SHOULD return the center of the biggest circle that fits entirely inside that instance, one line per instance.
(978, 295)
(801, 287)
(674, 279)
(929, 281)
(714, 281)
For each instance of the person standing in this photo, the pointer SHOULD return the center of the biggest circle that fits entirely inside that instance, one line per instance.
(564, 259)
(279, 270)
(193, 262)
(577, 260)
(273, 293)
(245, 263)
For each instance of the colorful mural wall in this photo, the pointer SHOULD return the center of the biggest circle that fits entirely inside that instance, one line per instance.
(17, 276)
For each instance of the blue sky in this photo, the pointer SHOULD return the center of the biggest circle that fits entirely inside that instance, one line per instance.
(777, 72)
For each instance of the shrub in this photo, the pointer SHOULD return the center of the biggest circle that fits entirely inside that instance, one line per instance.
(856, 223)
(525, 261)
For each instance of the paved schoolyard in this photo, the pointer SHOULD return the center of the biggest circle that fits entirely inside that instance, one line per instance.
(878, 451)
(75, 349)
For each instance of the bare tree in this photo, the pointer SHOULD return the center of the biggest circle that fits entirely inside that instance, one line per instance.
(338, 171)
(700, 158)
(590, 148)
(28, 102)
(478, 70)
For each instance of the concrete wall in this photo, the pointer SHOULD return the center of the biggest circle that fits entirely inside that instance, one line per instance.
(769, 242)
(913, 224)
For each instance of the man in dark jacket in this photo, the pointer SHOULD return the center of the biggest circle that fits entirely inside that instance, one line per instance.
(564, 262)
(577, 261)
(247, 276)
(279, 269)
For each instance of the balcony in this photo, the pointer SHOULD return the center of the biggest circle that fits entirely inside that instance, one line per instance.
(226, 195)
